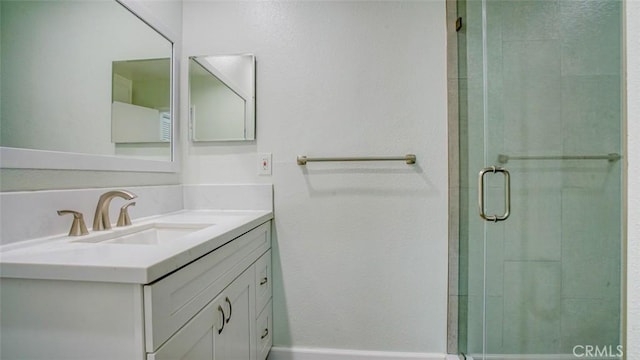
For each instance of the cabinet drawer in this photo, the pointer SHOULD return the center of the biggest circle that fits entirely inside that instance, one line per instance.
(263, 281)
(265, 332)
(170, 302)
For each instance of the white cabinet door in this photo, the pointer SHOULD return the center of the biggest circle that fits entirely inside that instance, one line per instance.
(223, 330)
(197, 339)
(236, 341)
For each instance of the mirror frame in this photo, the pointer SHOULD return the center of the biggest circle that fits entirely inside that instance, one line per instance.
(19, 158)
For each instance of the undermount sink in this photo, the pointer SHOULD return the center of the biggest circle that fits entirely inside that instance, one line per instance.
(146, 234)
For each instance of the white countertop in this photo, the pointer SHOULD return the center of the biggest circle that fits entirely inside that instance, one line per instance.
(76, 258)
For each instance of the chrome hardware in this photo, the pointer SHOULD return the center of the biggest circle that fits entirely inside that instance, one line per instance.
(123, 218)
(264, 281)
(101, 218)
(265, 333)
(507, 194)
(223, 321)
(503, 159)
(78, 226)
(409, 159)
(230, 309)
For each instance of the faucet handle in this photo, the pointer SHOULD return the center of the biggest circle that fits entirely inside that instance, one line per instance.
(123, 218)
(78, 226)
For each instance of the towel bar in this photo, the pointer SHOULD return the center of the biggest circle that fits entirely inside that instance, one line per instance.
(409, 159)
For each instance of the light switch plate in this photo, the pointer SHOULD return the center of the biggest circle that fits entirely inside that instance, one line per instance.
(264, 164)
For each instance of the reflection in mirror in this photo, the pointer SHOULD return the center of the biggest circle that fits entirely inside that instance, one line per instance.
(222, 97)
(59, 61)
(140, 111)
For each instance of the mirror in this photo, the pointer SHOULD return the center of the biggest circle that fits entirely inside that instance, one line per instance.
(222, 97)
(66, 68)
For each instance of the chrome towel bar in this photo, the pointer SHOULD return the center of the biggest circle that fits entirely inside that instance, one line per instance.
(409, 159)
(503, 159)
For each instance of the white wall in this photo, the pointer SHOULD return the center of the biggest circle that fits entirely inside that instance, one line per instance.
(361, 248)
(633, 159)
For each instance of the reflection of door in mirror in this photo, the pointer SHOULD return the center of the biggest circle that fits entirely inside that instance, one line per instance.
(122, 89)
(222, 97)
(141, 100)
(56, 83)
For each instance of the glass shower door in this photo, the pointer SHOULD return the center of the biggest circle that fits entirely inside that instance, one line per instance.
(541, 177)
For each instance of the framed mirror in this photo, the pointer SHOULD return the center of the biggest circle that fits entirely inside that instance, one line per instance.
(222, 97)
(86, 85)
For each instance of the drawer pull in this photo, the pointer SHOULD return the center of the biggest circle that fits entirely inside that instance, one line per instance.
(222, 326)
(264, 281)
(230, 309)
(265, 333)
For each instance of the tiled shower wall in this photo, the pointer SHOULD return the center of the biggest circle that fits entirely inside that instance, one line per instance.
(553, 88)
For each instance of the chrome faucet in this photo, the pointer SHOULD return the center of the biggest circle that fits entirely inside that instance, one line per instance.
(101, 219)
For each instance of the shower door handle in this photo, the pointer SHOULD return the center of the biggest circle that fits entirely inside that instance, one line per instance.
(507, 194)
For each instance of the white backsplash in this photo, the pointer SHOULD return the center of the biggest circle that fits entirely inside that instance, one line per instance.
(28, 215)
(32, 214)
(229, 197)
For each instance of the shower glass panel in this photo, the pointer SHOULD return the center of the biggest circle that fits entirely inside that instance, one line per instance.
(540, 96)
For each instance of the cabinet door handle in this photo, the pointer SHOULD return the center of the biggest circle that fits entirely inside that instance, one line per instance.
(230, 309)
(264, 281)
(223, 321)
(264, 334)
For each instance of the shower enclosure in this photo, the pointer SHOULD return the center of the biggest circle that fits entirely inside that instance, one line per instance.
(540, 178)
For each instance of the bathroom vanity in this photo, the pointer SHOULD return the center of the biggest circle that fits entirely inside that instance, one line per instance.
(189, 285)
